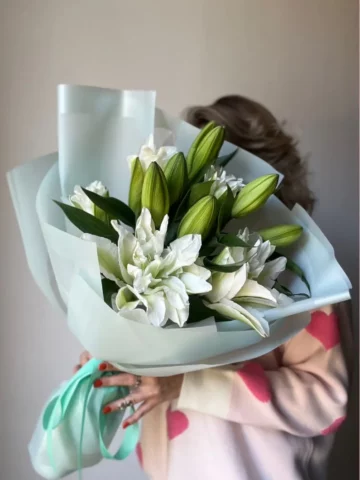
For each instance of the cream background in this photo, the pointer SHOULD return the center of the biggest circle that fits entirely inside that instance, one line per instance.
(298, 58)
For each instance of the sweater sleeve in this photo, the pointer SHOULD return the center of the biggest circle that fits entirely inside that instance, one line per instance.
(306, 396)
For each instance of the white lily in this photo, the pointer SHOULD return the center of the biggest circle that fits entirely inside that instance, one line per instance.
(149, 153)
(222, 180)
(265, 272)
(152, 278)
(231, 291)
(237, 285)
(80, 200)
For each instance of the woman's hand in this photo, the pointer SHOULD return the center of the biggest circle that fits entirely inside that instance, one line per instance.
(149, 391)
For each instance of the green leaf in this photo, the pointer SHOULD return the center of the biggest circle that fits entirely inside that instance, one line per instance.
(114, 207)
(171, 233)
(294, 268)
(198, 191)
(282, 289)
(231, 240)
(109, 288)
(200, 175)
(198, 311)
(230, 268)
(210, 248)
(88, 223)
(225, 159)
(226, 202)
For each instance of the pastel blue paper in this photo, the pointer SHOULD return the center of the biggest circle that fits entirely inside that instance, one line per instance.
(68, 253)
(97, 129)
(24, 182)
(99, 329)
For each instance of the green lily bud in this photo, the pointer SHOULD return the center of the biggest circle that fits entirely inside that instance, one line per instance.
(199, 190)
(155, 193)
(202, 134)
(281, 235)
(136, 185)
(200, 218)
(254, 195)
(176, 176)
(207, 151)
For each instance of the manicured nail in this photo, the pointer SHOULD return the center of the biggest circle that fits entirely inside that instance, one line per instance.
(126, 424)
(98, 383)
(102, 366)
(106, 409)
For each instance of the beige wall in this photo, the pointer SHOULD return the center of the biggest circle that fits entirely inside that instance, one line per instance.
(299, 58)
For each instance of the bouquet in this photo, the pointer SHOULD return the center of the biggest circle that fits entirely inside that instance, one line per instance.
(165, 246)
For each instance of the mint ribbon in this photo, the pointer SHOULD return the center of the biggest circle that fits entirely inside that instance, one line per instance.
(57, 411)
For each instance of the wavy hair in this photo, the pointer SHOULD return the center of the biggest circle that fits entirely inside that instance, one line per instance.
(251, 126)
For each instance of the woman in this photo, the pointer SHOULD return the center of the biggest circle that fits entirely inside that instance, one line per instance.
(271, 418)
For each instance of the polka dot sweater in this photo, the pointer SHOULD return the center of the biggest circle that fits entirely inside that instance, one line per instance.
(266, 419)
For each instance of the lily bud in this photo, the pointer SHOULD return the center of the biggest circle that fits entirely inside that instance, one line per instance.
(281, 235)
(136, 185)
(200, 219)
(191, 154)
(254, 195)
(176, 176)
(155, 193)
(207, 151)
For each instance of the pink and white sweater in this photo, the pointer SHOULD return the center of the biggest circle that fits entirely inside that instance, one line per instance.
(267, 419)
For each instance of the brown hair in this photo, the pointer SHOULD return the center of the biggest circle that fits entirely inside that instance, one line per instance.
(251, 126)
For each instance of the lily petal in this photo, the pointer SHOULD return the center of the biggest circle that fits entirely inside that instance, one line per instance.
(182, 252)
(150, 240)
(108, 258)
(252, 288)
(125, 299)
(240, 278)
(195, 284)
(232, 310)
(221, 286)
(271, 271)
(281, 299)
(156, 309)
(198, 270)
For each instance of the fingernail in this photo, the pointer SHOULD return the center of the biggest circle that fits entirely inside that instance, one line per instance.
(126, 424)
(102, 366)
(98, 383)
(106, 409)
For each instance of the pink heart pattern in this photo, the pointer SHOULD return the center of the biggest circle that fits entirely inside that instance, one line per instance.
(139, 454)
(256, 381)
(177, 423)
(333, 427)
(324, 328)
